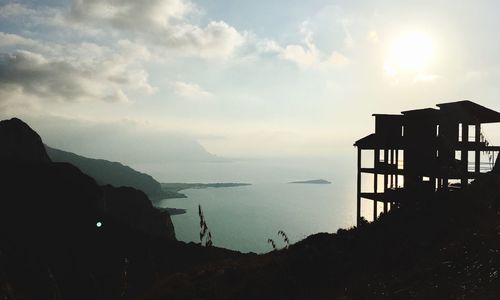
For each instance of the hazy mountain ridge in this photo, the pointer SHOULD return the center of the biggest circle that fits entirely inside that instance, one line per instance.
(109, 172)
(137, 144)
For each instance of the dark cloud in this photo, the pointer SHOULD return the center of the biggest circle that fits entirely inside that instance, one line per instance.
(60, 80)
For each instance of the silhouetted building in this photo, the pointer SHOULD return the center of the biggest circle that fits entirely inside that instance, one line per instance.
(423, 151)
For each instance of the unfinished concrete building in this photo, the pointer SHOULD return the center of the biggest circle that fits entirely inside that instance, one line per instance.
(424, 151)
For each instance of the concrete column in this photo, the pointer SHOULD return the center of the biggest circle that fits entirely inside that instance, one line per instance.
(397, 168)
(358, 200)
(464, 156)
(375, 182)
(387, 164)
(477, 159)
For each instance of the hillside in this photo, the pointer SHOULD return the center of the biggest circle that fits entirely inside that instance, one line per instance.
(62, 236)
(109, 172)
(440, 247)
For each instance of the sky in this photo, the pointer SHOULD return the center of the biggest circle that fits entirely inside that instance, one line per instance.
(147, 81)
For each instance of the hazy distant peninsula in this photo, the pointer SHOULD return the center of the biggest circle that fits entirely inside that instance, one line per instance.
(110, 172)
(314, 181)
(172, 189)
(174, 211)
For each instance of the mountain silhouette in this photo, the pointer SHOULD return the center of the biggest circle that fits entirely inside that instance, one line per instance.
(20, 143)
(109, 172)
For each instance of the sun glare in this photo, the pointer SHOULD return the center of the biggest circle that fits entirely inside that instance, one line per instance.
(411, 52)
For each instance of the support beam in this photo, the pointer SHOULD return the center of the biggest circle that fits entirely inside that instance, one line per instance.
(477, 159)
(393, 163)
(375, 182)
(397, 167)
(464, 156)
(358, 208)
(386, 162)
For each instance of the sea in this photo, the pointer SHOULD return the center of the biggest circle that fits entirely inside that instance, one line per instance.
(245, 218)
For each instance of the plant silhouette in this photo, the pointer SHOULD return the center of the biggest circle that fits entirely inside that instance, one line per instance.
(205, 234)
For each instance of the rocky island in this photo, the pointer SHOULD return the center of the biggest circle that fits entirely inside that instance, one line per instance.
(314, 181)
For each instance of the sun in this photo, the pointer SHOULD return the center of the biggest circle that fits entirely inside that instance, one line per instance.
(411, 52)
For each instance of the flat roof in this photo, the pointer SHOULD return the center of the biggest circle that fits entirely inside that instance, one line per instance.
(374, 141)
(469, 111)
(421, 111)
(388, 115)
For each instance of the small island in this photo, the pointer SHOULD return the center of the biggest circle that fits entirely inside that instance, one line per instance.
(314, 181)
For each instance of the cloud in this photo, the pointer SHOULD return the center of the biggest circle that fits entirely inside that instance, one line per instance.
(7, 39)
(34, 74)
(303, 56)
(163, 23)
(306, 55)
(190, 90)
(32, 17)
(15, 10)
(166, 24)
(348, 40)
(267, 46)
(338, 59)
(216, 40)
(130, 14)
(116, 41)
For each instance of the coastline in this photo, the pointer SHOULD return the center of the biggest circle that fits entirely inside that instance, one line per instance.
(172, 191)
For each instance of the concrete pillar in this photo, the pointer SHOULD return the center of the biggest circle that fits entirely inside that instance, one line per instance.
(387, 165)
(477, 159)
(397, 168)
(375, 182)
(358, 199)
(464, 156)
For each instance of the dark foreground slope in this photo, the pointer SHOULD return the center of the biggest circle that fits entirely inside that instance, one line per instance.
(50, 244)
(110, 172)
(443, 247)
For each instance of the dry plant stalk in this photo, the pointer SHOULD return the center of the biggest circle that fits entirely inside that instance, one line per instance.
(205, 234)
